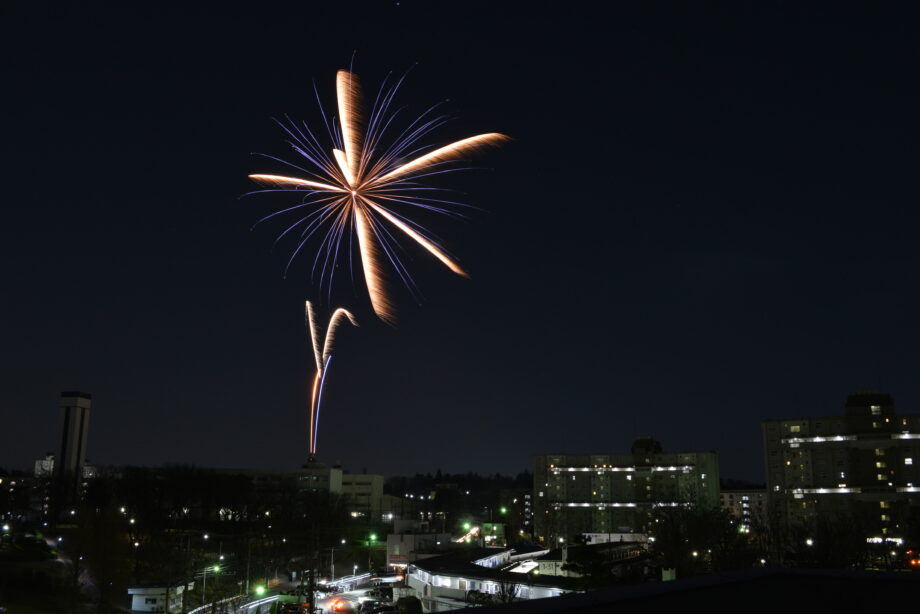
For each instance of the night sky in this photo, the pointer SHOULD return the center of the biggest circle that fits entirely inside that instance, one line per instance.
(707, 217)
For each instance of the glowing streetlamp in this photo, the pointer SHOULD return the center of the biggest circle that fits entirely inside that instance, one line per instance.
(204, 582)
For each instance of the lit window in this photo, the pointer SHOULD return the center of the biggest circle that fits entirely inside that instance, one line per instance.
(885, 517)
(795, 428)
(876, 425)
(880, 477)
(876, 410)
(880, 465)
(879, 452)
(884, 504)
(908, 461)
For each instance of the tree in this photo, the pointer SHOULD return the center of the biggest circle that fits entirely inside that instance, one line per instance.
(508, 590)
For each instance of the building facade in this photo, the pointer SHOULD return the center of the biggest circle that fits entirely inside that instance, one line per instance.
(365, 495)
(749, 506)
(862, 466)
(71, 455)
(576, 494)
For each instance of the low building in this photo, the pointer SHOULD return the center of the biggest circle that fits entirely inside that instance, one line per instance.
(156, 598)
(483, 570)
(617, 553)
(408, 547)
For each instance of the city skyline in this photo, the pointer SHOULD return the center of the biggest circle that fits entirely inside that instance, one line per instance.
(680, 242)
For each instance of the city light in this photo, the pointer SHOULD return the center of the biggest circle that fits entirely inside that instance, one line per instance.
(6, 527)
(260, 590)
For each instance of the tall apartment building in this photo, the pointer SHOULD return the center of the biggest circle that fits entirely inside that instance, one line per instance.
(71, 456)
(748, 506)
(576, 494)
(862, 466)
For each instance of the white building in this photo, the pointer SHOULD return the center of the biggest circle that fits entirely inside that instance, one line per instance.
(153, 598)
(454, 575)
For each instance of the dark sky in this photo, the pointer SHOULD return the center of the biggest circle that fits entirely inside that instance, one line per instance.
(708, 217)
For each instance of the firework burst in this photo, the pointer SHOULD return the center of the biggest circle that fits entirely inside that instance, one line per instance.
(366, 190)
(322, 352)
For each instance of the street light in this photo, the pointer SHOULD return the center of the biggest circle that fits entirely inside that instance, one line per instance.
(260, 590)
(204, 583)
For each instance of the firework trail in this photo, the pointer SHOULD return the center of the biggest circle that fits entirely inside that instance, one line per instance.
(366, 190)
(322, 352)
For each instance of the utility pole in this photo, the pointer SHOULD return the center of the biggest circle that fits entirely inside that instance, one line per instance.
(311, 588)
(248, 554)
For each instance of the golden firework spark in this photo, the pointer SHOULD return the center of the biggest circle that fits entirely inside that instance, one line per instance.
(363, 185)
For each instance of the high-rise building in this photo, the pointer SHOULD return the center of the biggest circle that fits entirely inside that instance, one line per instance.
(575, 494)
(68, 463)
(863, 466)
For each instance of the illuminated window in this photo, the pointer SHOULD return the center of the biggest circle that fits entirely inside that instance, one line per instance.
(879, 452)
(795, 428)
(885, 517)
(876, 410)
(880, 465)
(884, 504)
(876, 425)
(881, 477)
(908, 461)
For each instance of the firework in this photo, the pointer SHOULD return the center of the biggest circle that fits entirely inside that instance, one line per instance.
(367, 190)
(322, 352)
